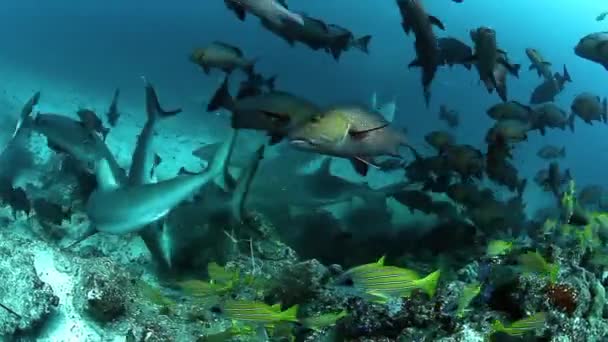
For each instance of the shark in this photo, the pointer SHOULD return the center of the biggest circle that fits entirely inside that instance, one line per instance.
(117, 209)
(67, 135)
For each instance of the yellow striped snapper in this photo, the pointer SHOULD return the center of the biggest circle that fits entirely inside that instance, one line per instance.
(382, 282)
(256, 312)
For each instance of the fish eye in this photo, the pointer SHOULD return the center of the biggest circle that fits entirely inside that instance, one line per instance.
(216, 309)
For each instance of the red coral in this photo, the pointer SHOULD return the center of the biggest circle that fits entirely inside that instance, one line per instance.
(562, 296)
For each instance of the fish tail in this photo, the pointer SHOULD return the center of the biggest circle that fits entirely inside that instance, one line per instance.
(25, 119)
(514, 69)
(290, 315)
(243, 185)
(429, 283)
(362, 43)
(153, 107)
(571, 122)
(221, 98)
(497, 326)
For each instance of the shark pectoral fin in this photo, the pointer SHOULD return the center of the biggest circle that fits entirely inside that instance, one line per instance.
(106, 179)
(239, 196)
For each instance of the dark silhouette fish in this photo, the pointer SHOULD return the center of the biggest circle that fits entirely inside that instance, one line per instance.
(549, 89)
(415, 19)
(453, 51)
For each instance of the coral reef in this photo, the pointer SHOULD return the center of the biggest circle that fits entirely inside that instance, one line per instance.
(27, 301)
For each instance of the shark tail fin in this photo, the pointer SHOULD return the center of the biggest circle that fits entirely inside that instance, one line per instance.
(153, 107)
(24, 121)
(243, 185)
(221, 98)
(26, 114)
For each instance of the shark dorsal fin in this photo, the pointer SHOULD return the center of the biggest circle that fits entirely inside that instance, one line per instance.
(106, 180)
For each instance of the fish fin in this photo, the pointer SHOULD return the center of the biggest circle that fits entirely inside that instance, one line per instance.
(470, 59)
(531, 67)
(290, 315)
(232, 48)
(221, 98)
(360, 166)
(415, 63)
(336, 52)
(25, 117)
(565, 77)
(513, 68)
(605, 110)
(362, 43)
(112, 114)
(239, 196)
(406, 27)
(362, 134)
(153, 107)
(498, 326)
(206, 68)
(275, 139)
(435, 21)
(184, 172)
(429, 283)
(562, 152)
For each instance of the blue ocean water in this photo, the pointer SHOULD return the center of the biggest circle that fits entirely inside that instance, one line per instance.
(78, 52)
(98, 46)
